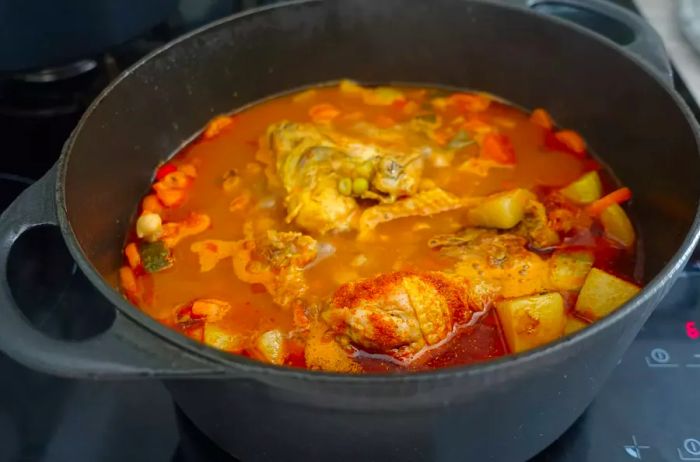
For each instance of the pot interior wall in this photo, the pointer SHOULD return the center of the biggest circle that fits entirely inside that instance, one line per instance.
(627, 117)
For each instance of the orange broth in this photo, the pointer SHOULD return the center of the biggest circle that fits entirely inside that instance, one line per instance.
(543, 163)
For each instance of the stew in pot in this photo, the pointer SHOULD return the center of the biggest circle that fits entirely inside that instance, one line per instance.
(371, 229)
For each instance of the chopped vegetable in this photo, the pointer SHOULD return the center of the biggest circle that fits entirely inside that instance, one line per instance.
(322, 352)
(603, 293)
(323, 113)
(498, 148)
(348, 86)
(381, 96)
(572, 141)
(164, 170)
(271, 345)
(127, 280)
(360, 186)
(585, 190)
(531, 321)
(169, 197)
(151, 204)
(617, 225)
(542, 118)
(616, 197)
(131, 252)
(155, 256)
(149, 226)
(569, 268)
(476, 102)
(210, 309)
(305, 96)
(220, 338)
(345, 186)
(217, 125)
(502, 210)
(188, 169)
(461, 140)
(573, 325)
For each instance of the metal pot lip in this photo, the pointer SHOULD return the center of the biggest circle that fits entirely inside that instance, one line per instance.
(244, 367)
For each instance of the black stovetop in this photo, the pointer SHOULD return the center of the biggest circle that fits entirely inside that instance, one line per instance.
(648, 410)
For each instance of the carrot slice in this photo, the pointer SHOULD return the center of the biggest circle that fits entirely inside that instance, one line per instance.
(572, 140)
(323, 112)
(498, 148)
(164, 170)
(217, 125)
(616, 197)
(470, 102)
(151, 204)
(542, 118)
(132, 255)
(128, 280)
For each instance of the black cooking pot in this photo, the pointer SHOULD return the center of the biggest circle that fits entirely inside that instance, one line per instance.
(504, 410)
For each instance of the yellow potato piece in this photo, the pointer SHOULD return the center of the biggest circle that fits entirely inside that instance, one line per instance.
(323, 353)
(217, 337)
(585, 190)
(502, 211)
(603, 293)
(574, 325)
(617, 225)
(531, 321)
(271, 345)
(568, 269)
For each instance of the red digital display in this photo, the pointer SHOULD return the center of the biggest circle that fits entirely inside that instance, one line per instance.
(691, 330)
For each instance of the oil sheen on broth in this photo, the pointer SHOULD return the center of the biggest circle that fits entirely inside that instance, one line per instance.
(369, 229)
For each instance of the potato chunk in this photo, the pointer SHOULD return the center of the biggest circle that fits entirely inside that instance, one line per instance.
(617, 225)
(502, 211)
(218, 337)
(603, 293)
(585, 190)
(532, 321)
(568, 269)
(574, 325)
(271, 345)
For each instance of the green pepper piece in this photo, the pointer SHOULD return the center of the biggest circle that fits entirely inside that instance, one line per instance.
(155, 256)
(461, 140)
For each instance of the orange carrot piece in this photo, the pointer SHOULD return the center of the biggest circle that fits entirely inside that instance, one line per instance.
(128, 280)
(217, 125)
(571, 140)
(151, 204)
(132, 255)
(542, 118)
(616, 197)
(498, 148)
(470, 102)
(169, 197)
(323, 112)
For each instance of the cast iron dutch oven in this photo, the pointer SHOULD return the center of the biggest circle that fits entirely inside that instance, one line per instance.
(504, 410)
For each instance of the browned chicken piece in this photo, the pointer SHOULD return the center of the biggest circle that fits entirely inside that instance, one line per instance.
(399, 313)
(324, 172)
(276, 260)
(536, 228)
(498, 265)
(423, 203)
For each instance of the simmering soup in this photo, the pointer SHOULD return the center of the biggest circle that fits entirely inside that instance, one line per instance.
(371, 229)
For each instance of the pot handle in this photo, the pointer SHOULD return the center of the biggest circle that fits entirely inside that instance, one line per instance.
(646, 44)
(125, 350)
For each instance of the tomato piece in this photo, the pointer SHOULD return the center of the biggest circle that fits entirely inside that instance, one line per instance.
(542, 118)
(165, 170)
(498, 148)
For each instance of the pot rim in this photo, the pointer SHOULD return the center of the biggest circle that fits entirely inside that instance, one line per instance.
(246, 367)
